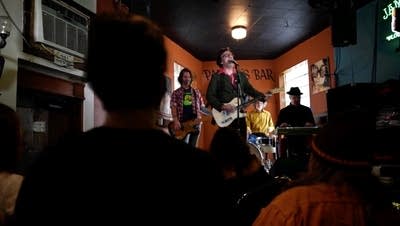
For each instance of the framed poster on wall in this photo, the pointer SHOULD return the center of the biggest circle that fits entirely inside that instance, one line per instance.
(320, 76)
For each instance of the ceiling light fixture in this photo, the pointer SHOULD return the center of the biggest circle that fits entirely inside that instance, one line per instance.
(239, 32)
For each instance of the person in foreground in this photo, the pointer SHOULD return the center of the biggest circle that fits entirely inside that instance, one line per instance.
(126, 170)
(10, 153)
(248, 184)
(338, 188)
(186, 102)
(226, 85)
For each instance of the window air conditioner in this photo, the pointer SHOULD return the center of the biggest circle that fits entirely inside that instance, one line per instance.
(61, 26)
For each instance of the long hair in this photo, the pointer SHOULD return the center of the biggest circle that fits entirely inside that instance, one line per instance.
(180, 77)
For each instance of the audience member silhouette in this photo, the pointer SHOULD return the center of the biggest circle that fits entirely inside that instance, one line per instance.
(247, 182)
(125, 172)
(10, 152)
(338, 188)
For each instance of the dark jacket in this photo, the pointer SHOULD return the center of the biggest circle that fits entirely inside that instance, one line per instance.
(295, 115)
(121, 177)
(220, 89)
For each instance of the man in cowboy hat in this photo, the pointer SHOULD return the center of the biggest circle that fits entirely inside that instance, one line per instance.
(295, 114)
(295, 147)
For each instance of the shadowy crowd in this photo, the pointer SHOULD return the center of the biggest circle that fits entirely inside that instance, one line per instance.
(128, 171)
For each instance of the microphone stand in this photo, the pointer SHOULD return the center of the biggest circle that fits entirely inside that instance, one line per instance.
(239, 95)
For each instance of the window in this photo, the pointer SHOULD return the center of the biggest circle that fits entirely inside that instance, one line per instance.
(297, 76)
(177, 68)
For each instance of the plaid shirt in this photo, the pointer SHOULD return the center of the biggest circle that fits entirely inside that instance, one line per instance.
(314, 205)
(177, 101)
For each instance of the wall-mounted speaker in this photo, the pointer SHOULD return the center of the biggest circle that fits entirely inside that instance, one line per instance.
(344, 24)
(359, 97)
(378, 106)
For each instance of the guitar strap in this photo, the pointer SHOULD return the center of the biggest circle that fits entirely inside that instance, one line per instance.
(221, 85)
(197, 127)
(239, 84)
(241, 95)
(195, 100)
(220, 81)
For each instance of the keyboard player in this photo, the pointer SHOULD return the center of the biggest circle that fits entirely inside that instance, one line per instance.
(295, 115)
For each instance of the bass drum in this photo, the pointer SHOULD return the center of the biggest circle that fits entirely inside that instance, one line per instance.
(268, 144)
(255, 150)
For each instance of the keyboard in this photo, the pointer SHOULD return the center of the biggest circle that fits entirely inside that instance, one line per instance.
(297, 130)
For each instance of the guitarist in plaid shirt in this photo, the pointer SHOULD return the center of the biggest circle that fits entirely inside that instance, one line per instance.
(186, 103)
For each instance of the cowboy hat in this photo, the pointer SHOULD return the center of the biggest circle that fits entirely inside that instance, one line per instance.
(295, 91)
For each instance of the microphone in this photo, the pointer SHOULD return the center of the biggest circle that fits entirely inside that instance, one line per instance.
(234, 62)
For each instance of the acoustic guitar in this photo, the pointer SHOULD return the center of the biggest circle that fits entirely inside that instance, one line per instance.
(224, 118)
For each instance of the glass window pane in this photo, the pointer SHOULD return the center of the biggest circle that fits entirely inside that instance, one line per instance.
(177, 68)
(298, 76)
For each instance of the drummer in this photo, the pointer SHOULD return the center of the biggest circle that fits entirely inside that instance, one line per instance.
(259, 124)
(259, 121)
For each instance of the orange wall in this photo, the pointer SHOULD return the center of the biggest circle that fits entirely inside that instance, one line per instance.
(313, 49)
(179, 55)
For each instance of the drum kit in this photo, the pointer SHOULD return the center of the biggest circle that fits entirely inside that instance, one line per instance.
(264, 148)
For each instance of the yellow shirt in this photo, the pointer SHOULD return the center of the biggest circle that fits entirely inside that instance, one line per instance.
(259, 122)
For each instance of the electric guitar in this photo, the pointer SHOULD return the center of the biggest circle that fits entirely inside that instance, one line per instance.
(224, 118)
(186, 127)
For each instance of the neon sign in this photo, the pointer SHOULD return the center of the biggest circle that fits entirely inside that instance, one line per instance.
(387, 14)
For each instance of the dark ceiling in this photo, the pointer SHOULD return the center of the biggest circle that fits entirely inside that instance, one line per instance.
(202, 27)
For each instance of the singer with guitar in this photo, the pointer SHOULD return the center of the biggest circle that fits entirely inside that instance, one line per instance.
(186, 105)
(230, 84)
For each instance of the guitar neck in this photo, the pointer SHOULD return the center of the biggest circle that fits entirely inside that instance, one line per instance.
(271, 92)
(246, 103)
